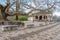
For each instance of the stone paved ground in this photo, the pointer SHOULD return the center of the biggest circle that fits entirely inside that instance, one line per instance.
(57, 37)
(48, 32)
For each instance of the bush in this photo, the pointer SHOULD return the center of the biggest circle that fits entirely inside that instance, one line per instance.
(23, 18)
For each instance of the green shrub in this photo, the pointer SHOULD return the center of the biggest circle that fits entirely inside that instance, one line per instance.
(23, 18)
(20, 18)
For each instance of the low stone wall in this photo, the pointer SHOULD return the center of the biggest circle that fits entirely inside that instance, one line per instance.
(10, 23)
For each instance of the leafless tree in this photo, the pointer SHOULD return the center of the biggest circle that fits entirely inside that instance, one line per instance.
(37, 4)
(5, 10)
(37, 7)
(17, 8)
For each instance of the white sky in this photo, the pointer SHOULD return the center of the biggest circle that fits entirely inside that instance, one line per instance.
(57, 13)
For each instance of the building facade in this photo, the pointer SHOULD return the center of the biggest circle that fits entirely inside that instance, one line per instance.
(41, 16)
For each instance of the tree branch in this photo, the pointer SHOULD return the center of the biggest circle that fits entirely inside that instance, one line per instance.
(9, 6)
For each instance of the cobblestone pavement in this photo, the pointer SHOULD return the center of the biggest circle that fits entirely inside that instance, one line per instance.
(57, 37)
(48, 32)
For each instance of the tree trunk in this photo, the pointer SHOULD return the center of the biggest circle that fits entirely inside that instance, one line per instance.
(8, 3)
(17, 8)
(4, 15)
(16, 17)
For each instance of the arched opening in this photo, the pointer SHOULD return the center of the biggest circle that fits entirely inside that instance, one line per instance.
(40, 17)
(45, 17)
(36, 17)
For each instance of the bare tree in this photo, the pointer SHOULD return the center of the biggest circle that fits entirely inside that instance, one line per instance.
(8, 3)
(37, 3)
(38, 6)
(17, 8)
(4, 10)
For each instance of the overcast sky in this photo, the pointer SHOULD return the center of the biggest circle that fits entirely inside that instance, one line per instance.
(4, 3)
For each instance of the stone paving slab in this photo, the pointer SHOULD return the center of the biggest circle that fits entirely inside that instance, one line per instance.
(57, 37)
(45, 35)
(21, 32)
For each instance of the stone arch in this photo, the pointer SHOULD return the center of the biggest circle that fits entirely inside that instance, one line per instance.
(36, 17)
(40, 17)
(45, 17)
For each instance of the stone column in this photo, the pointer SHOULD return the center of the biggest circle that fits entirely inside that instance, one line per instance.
(42, 17)
(38, 18)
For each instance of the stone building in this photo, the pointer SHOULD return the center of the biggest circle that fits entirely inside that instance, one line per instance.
(40, 16)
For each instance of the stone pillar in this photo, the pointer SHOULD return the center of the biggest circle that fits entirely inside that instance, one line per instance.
(43, 18)
(38, 18)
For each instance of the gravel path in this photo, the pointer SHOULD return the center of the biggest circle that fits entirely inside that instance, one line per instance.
(57, 37)
(48, 32)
